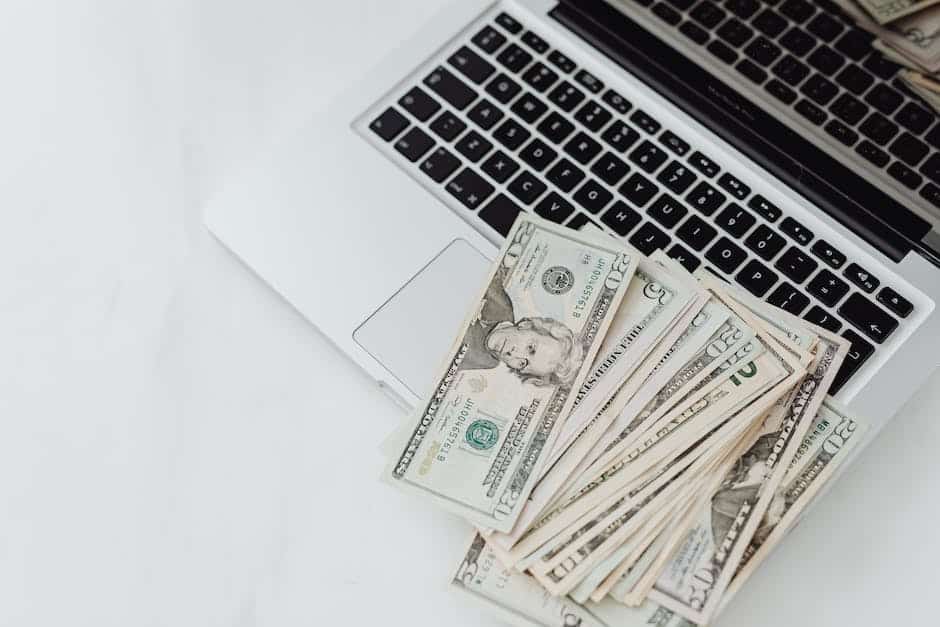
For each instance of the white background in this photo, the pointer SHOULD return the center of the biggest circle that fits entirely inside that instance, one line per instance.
(178, 446)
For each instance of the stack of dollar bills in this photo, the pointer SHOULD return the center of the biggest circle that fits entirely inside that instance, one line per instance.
(630, 441)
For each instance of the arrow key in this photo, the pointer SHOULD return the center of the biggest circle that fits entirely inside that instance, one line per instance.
(869, 318)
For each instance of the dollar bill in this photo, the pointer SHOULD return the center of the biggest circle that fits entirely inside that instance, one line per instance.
(884, 11)
(916, 37)
(478, 444)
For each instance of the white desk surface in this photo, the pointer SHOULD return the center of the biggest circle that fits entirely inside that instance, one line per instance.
(178, 446)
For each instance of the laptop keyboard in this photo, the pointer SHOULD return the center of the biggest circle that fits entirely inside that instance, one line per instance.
(507, 124)
(811, 57)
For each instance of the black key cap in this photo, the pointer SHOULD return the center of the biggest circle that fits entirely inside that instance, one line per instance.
(579, 221)
(501, 214)
(855, 79)
(470, 189)
(689, 261)
(485, 114)
(529, 108)
(811, 112)
(743, 8)
(932, 193)
(726, 255)
(555, 128)
(648, 239)
(895, 302)
(499, 166)
(763, 51)
(830, 255)
(645, 121)
(566, 96)
(696, 232)
(790, 70)
(780, 91)
(527, 187)
(788, 298)
(765, 242)
(765, 208)
(770, 23)
(450, 88)
(668, 211)
(705, 198)
(540, 77)
(620, 136)
(796, 231)
(849, 109)
(448, 126)
(514, 58)
(825, 26)
(674, 143)
(707, 14)
(855, 44)
(610, 169)
(841, 132)
(621, 218)
(914, 118)
(703, 164)
(796, 264)
(503, 88)
(439, 165)
(733, 186)
(667, 14)
(905, 175)
(473, 146)
(694, 32)
(797, 41)
(909, 149)
(471, 65)
(884, 98)
(418, 103)
(820, 317)
(869, 318)
(511, 134)
(828, 288)
(589, 81)
(582, 147)
(509, 23)
(735, 220)
(873, 153)
(535, 42)
(562, 62)
(555, 208)
(648, 156)
(854, 359)
(414, 144)
(619, 103)
(735, 32)
(593, 196)
(489, 39)
(880, 66)
(878, 128)
(593, 116)
(389, 124)
(722, 51)
(797, 10)
(861, 277)
(931, 167)
(537, 154)
(756, 278)
(676, 177)
(565, 175)
(638, 189)
(819, 89)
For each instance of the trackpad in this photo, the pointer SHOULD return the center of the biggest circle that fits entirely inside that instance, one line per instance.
(411, 333)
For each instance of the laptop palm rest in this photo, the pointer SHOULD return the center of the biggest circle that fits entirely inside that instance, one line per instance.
(411, 332)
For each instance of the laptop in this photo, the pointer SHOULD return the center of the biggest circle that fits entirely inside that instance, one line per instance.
(765, 140)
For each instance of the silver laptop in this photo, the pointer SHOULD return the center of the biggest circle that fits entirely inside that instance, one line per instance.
(767, 141)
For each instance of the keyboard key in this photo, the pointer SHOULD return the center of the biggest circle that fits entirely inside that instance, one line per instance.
(708, 14)
(703, 164)
(765, 208)
(788, 298)
(648, 239)
(694, 32)
(909, 149)
(648, 156)
(509, 23)
(485, 114)
(850, 109)
(562, 62)
(870, 319)
(744, 9)
(811, 112)
(895, 302)
(878, 128)
(593, 116)
(914, 118)
(874, 154)
(499, 166)
(905, 175)
(790, 70)
(855, 79)
(797, 10)
(796, 264)
(796, 231)
(501, 214)
(553, 207)
(756, 278)
(764, 242)
(770, 23)
(861, 278)
(825, 26)
(582, 147)
(884, 98)
(638, 189)
(763, 51)
(667, 211)
(511, 134)
(619, 103)
(858, 354)
(797, 41)
(589, 81)
(726, 255)
(666, 13)
(645, 121)
(735, 32)
(780, 91)
(537, 154)
(450, 88)
(722, 51)
(830, 255)
(828, 288)
(473, 146)
(841, 132)
(593, 196)
(620, 136)
(414, 144)
(696, 232)
(689, 261)
(535, 42)
(820, 317)
(566, 96)
(471, 65)
(503, 88)
(389, 124)
(621, 218)
(878, 65)
(931, 193)
(735, 220)
(470, 189)
(733, 186)
(565, 175)
(705, 198)
(555, 128)
(448, 126)
(540, 77)
(580, 221)
(418, 103)
(489, 40)
(931, 167)
(855, 44)
(514, 58)
(610, 169)
(676, 177)
(819, 89)
(529, 108)
(527, 187)
(439, 165)
(826, 60)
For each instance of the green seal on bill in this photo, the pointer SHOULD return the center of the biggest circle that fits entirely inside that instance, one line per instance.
(482, 434)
